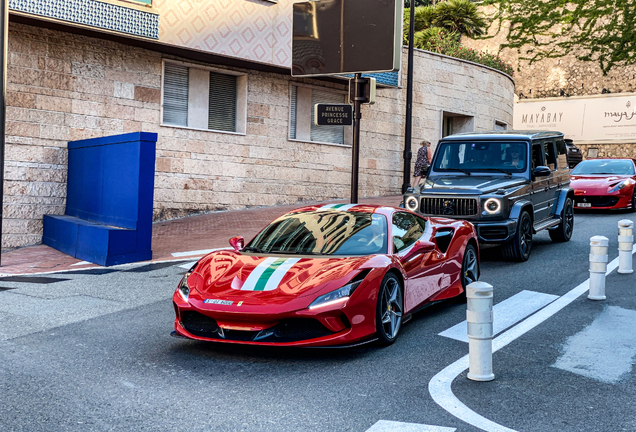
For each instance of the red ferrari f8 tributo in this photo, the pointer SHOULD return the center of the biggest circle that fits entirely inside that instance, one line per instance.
(330, 275)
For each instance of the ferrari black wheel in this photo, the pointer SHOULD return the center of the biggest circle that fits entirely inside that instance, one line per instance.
(633, 209)
(470, 269)
(388, 317)
(518, 249)
(563, 232)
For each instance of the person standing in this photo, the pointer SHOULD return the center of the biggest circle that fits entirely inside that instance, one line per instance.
(422, 163)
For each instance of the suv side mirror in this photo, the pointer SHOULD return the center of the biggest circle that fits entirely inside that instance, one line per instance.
(542, 171)
(237, 243)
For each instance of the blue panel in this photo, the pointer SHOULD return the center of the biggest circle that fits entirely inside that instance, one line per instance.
(110, 191)
(385, 78)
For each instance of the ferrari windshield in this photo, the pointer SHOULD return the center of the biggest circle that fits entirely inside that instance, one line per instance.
(604, 166)
(323, 233)
(482, 156)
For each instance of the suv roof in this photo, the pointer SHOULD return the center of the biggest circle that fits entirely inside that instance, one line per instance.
(511, 134)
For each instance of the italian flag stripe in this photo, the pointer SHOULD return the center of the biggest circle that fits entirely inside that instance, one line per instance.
(341, 207)
(268, 274)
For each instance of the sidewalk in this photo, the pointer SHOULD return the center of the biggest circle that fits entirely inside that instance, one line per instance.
(189, 234)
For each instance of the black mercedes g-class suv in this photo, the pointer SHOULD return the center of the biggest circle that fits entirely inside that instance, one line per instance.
(509, 184)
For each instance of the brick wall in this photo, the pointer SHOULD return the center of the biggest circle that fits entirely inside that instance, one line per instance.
(64, 87)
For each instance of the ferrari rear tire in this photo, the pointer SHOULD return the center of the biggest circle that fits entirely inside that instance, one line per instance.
(470, 269)
(389, 311)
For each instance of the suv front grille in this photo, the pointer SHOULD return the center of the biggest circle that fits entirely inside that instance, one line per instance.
(449, 206)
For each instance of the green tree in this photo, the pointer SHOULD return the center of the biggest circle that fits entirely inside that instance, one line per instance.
(461, 17)
(601, 31)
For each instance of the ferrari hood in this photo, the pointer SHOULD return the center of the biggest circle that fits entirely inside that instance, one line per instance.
(276, 279)
(473, 184)
(590, 181)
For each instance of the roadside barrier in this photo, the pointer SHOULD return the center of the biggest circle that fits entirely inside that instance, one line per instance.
(479, 318)
(625, 245)
(598, 267)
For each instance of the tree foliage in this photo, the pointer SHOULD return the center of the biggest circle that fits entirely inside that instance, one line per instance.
(602, 31)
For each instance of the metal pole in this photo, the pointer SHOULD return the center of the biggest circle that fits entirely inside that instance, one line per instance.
(409, 104)
(4, 39)
(355, 156)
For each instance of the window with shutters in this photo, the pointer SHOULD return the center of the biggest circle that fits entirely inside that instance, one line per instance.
(301, 115)
(200, 98)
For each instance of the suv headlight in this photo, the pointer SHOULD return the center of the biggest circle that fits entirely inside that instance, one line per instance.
(335, 296)
(492, 206)
(411, 203)
(621, 185)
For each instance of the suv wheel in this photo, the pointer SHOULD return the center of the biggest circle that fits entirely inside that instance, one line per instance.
(563, 232)
(518, 249)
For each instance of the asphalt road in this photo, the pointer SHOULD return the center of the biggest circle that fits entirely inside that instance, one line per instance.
(91, 352)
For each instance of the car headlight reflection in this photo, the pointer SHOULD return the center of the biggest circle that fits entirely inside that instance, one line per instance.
(336, 296)
(492, 206)
(411, 203)
(621, 185)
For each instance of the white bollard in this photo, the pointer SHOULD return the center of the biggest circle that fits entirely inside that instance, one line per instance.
(598, 267)
(625, 245)
(479, 318)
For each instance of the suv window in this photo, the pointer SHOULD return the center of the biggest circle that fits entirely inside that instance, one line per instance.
(562, 154)
(407, 229)
(550, 157)
(484, 156)
(537, 155)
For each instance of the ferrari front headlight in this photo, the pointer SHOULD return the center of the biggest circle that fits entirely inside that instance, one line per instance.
(184, 288)
(621, 185)
(341, 294)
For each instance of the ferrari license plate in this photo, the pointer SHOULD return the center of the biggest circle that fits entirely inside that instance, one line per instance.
(584, 204)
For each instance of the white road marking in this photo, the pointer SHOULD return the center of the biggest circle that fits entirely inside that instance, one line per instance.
(440, 385)
(188, 265)
(197, 252)
(82, 263)
(391, 426)
(586, 353)
(507, 313)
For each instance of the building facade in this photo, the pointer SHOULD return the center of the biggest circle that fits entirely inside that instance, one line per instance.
(213, 80)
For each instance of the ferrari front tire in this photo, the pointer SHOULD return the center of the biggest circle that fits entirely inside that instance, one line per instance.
(390, 308)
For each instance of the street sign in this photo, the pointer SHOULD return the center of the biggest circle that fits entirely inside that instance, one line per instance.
(333, 115)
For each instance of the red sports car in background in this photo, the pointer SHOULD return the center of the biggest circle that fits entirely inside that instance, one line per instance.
(332, 275)
(604, 184)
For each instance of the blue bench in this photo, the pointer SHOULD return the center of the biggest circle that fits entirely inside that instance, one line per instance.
(109, 201)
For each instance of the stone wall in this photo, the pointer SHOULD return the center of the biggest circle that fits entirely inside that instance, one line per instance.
(64, 87)
(549, 76)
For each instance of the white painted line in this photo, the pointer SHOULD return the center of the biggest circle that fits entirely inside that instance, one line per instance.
(507, 313)
(188, 265)
(605, 349)
(391, 426)
(440, 385)
(198, 252)
(82, 263)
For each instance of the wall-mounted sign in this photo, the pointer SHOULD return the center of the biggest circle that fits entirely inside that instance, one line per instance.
(594, 119)
(333, 115)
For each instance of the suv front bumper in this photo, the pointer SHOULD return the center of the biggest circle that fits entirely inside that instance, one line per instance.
(496, 231)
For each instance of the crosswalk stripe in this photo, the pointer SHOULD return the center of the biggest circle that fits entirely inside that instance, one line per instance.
(507, 313)
(393, 426)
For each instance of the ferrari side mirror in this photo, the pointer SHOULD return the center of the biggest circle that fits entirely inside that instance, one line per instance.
(237, 243)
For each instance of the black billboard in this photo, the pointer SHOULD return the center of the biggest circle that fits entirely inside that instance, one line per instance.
(346, 36)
